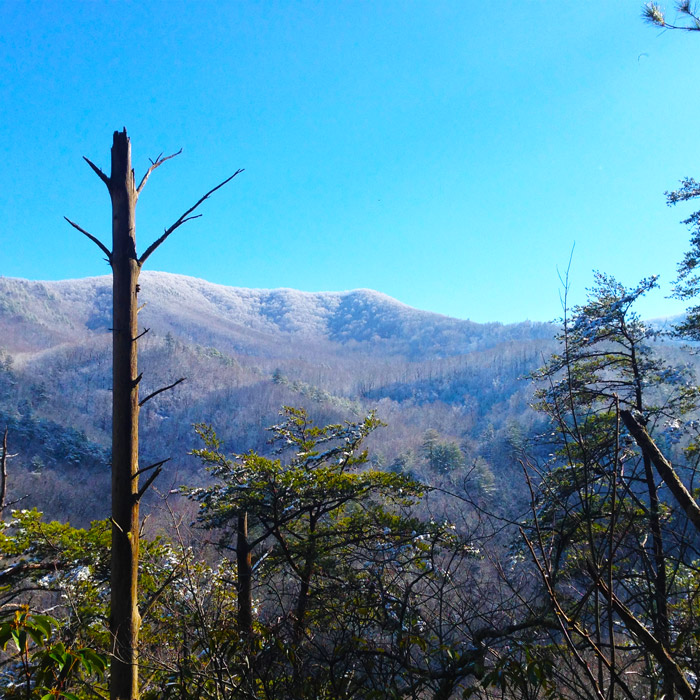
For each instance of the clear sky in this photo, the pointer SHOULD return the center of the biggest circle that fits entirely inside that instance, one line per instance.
(447, 153)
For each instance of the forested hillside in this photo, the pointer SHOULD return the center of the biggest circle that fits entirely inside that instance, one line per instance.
(430, 521)
(461, 517)
(245, 354)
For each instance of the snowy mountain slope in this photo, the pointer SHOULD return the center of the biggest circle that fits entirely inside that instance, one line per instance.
(37, 314)
(245, 354)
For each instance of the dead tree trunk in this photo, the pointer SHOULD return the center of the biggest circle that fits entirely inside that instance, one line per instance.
(125, 620)
(3, 474)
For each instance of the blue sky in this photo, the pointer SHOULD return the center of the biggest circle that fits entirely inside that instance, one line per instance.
(448, 154)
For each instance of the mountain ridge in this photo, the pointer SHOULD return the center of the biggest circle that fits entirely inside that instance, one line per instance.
(354, 319)
(245, 354)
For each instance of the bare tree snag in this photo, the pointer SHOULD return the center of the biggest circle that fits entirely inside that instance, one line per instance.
(124, 617)
(3, 473)
(125, 620)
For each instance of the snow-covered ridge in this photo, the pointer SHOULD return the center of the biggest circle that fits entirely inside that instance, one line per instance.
(247, 319)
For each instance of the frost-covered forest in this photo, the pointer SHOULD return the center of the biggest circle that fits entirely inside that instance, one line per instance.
(245, 354)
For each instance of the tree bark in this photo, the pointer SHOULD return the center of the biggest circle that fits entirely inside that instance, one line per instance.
(124, 618)
(3, 473)
(245, 578)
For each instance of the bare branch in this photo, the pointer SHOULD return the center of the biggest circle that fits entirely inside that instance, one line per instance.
(148, 482)
(157, 594)
(24, 567)
(96, 241)
(17, 500)
(151, 466)
(184, 218)
(161, 390)
(154, 164)
(100, 174)
(566, 623)
(140, 335)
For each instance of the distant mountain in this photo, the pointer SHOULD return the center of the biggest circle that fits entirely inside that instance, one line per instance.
(245, 353)
(253, 321)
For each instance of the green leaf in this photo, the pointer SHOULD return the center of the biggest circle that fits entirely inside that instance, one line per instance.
(45, 623)
(20, 639)
(96, 660)
(5, 635)
(36, 635)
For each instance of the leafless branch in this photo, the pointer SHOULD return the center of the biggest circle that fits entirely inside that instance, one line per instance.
(96, 241)
(100, 174)
(17, 500)
(23, 567)
(161, 390)
(646, 638)
(157, 594)
(148, 482)
(151, 466)
(184, 218)
(565, 622)
(154, 164)
(140, 335)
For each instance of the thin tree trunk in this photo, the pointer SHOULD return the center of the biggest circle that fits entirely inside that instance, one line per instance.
(305, 583)
(3, 473)
(664, 468)
(660, 617)
(245, 578)
(660, 585)
(124, 620)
